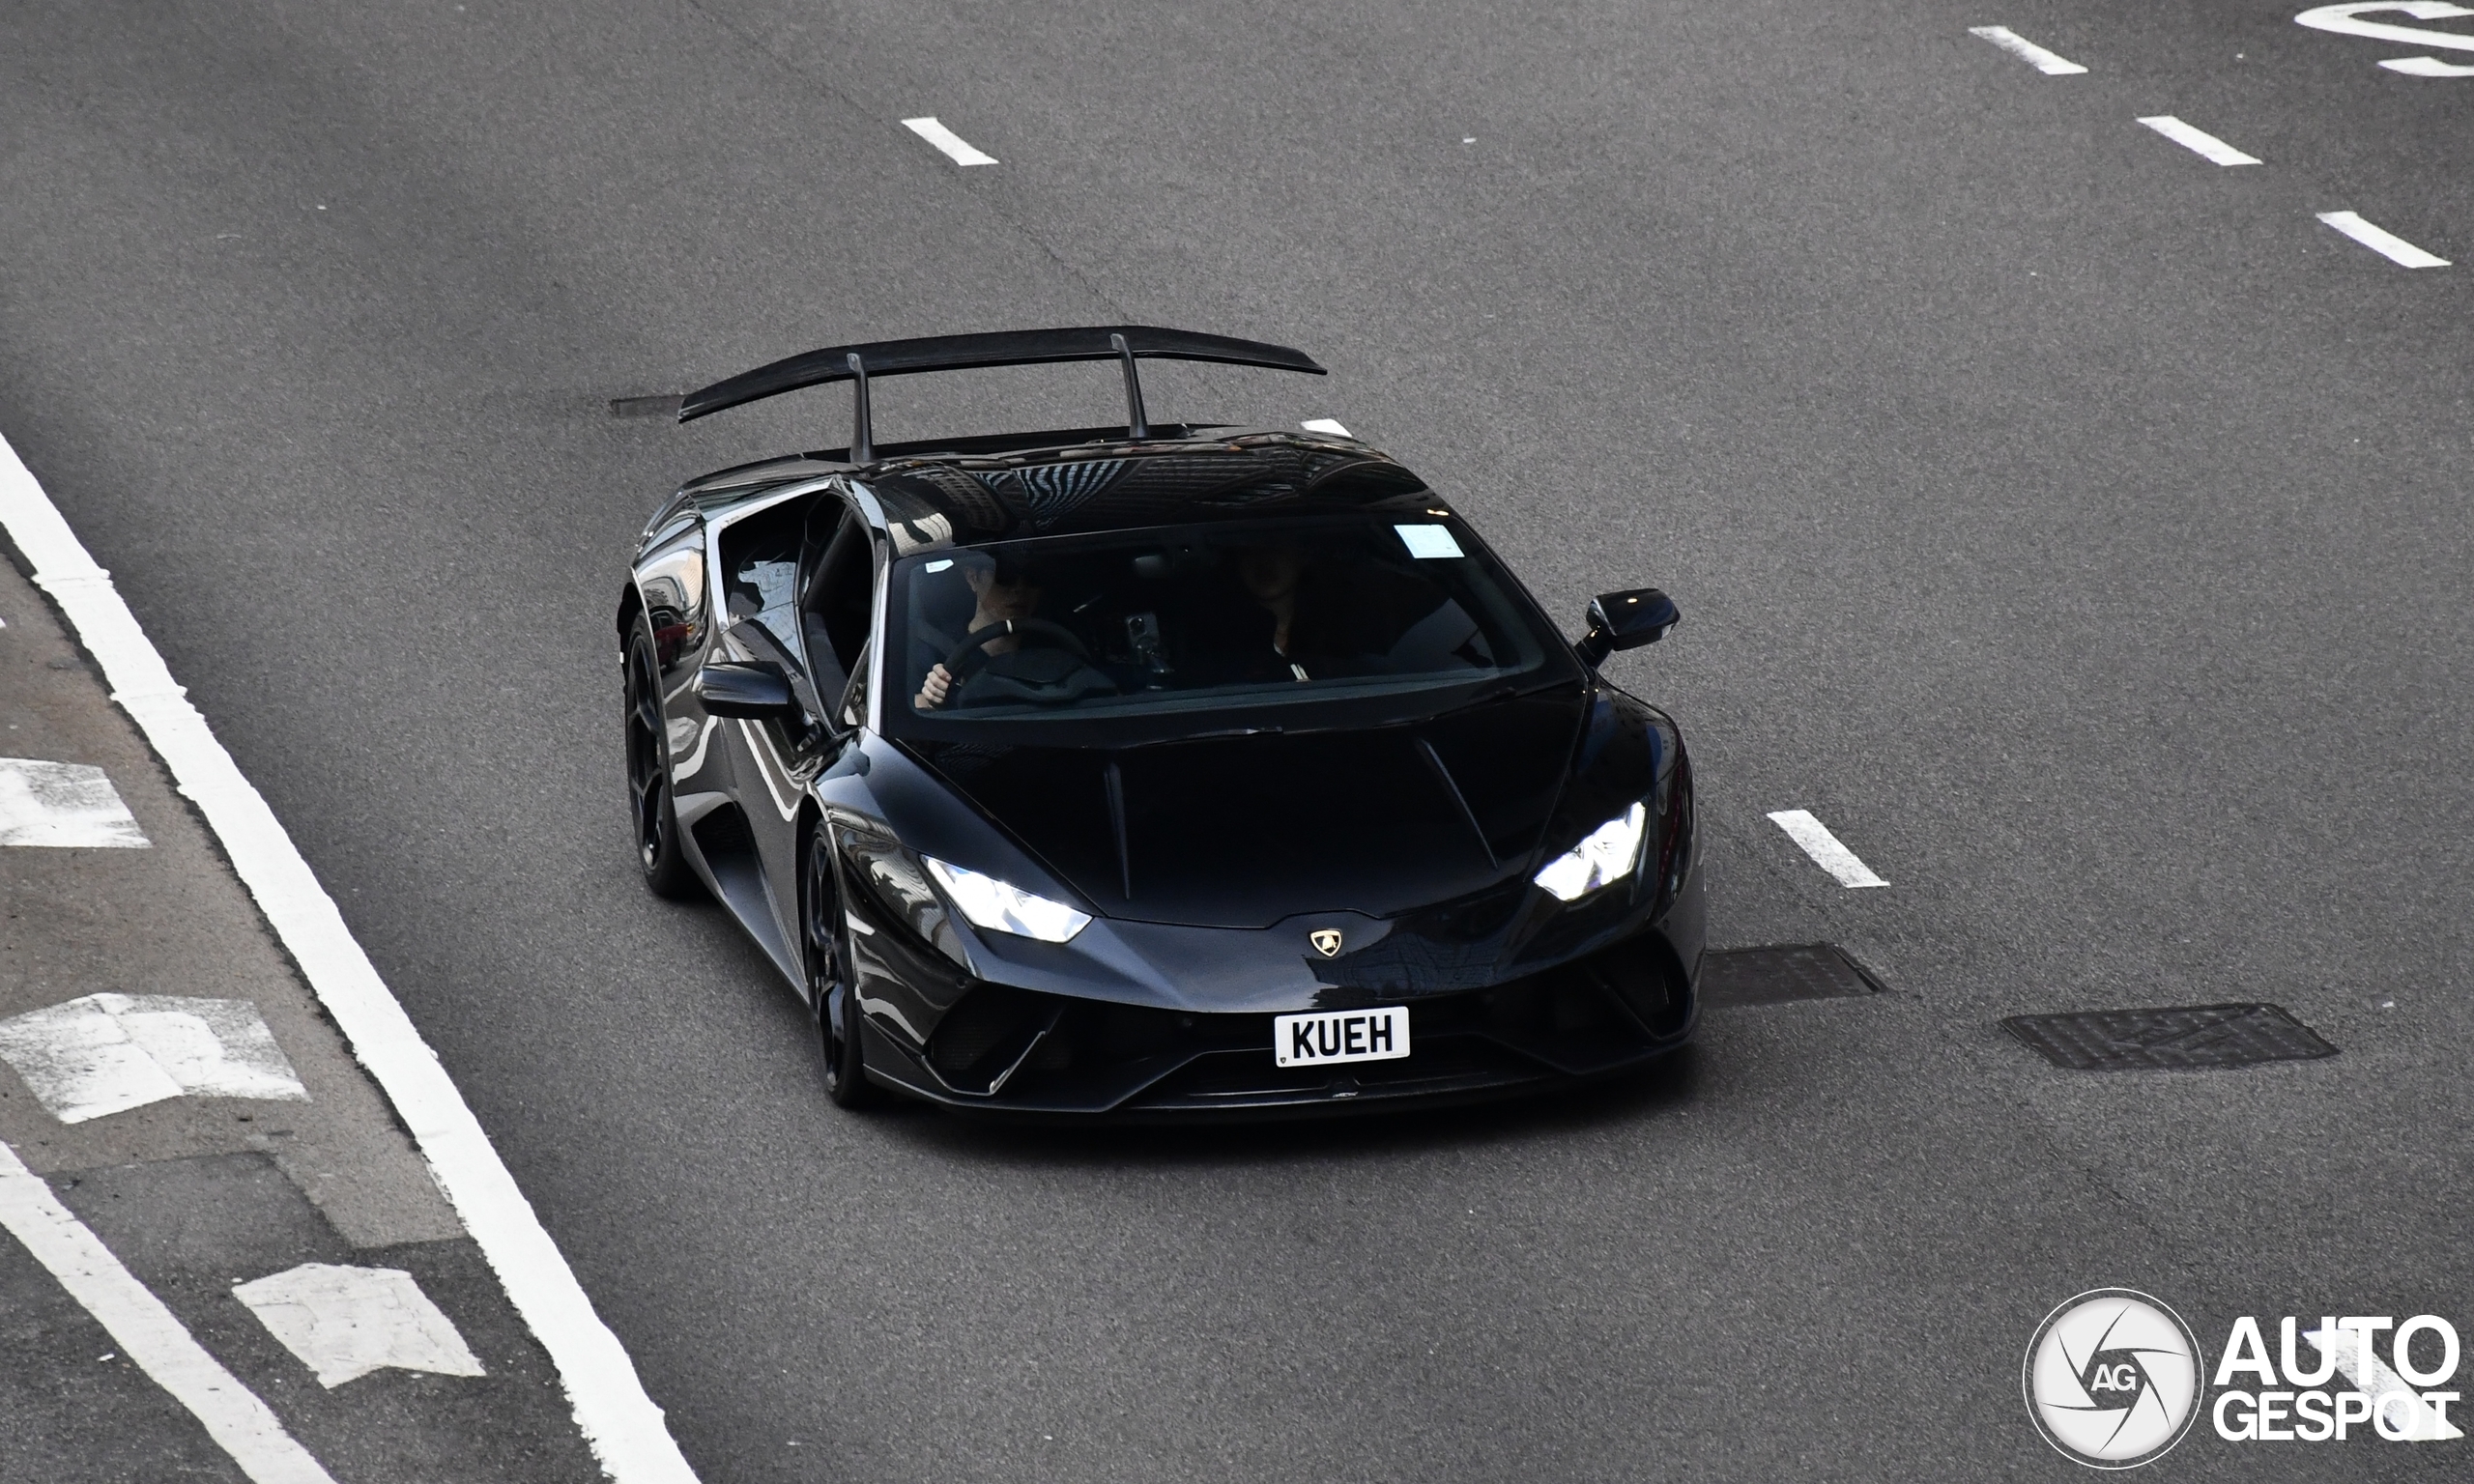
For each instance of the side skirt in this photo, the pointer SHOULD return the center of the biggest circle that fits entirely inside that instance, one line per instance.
(724, 854)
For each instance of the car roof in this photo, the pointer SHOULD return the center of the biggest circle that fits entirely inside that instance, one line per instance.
(1082, 481)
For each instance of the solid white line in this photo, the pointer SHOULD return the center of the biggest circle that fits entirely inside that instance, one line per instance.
(2028, 51)
(239, 1422)
(1823, 847)
(2197, 141)
(621, 1423)
(2388, 245)
(1330, 425)
(957, 149)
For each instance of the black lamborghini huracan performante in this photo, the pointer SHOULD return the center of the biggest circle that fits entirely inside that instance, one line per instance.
(1151, 770)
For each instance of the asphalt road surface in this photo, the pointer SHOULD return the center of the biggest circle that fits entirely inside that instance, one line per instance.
(2075, 527)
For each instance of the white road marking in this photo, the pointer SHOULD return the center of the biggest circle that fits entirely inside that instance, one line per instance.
(155, 1339)
(107, 1053)
(2427, 66)
(957, 149)
(2388, 245)
(2028, 51)
(621, 1423)
(1823, 847)
(63, 804)
(2346, 21)
(2373, 1378)
(2197, 141)
(344, 1323)
(1330, 425)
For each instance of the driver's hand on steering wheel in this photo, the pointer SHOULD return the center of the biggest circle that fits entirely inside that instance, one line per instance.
(935, 690)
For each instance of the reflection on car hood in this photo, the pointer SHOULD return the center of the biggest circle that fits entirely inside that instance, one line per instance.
(1242, 831)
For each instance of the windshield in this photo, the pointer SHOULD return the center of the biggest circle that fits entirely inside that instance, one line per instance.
(1197, 618)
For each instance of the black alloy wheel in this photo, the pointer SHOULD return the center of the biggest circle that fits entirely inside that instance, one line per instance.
(830, 992)
(649, 806)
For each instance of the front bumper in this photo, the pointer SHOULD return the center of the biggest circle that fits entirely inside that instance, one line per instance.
(1025, 1053)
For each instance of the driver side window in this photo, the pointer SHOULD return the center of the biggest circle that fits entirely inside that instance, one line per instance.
(838, 599)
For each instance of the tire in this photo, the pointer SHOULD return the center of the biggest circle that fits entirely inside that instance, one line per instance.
(828, 970)
(650, 809)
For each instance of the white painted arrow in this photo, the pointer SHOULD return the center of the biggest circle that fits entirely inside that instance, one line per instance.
(106, 1053)
(344, 1323)
(2346, 21)
(63, 803)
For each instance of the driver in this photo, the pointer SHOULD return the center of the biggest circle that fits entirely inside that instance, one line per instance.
(1003, 592)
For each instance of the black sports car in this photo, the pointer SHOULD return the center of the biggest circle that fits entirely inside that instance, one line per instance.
(1151, 770)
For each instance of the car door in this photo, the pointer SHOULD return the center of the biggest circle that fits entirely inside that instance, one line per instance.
(811, 623)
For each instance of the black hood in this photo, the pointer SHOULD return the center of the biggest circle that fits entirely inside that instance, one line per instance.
(1243, 831)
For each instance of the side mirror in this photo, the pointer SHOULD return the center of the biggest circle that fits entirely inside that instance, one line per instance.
(755, 692)
(1625, 620)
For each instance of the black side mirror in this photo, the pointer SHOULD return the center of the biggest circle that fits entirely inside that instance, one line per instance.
(755, 693)
(1625, 620)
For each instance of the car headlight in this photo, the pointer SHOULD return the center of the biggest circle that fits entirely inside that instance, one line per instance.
(1004, 907)
(1607, 855)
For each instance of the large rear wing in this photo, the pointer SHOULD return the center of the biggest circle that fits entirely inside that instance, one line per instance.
(856, 364)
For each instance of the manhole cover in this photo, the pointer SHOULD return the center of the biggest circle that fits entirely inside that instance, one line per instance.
(643, 407)
(1773, 975)
(2177, 1039)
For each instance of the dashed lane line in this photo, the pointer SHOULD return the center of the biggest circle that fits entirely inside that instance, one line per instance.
(1330, 425)
(240, 1423)
(2199, 141)
(618, 1419)
(2028, 51)
(960, 151)
(2388, 245)
(1824, 848)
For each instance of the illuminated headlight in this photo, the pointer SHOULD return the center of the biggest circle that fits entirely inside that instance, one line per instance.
(1004, 907)
(1608, 854)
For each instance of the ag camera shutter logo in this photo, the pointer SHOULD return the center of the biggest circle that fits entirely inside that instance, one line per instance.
(2113, 1379)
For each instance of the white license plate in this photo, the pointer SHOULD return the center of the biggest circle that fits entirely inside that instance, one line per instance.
(1342, 1036)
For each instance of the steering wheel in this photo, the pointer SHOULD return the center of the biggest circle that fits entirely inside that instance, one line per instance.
(970, 656)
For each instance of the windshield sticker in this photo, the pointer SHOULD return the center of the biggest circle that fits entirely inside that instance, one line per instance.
(1429, 541)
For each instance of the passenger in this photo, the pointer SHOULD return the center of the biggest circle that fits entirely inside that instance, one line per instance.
(1003, 592)
(1275, 577)
(1327, 620)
